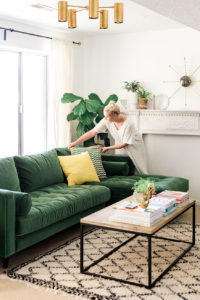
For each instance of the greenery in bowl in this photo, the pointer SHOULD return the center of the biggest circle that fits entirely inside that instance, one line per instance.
(88, 111)
(142, 185)
(131, 86)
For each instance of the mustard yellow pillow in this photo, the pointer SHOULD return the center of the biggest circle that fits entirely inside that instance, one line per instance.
(78, 168)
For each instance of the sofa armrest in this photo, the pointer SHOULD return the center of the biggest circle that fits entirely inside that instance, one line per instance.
(7, 223)
(23, 203)
(120, 158)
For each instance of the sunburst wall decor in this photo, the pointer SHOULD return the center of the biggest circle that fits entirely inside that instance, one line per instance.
(185, 81)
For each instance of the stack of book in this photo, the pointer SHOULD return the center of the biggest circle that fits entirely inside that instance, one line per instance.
(180, 197)
(131, 213)
(166, 204)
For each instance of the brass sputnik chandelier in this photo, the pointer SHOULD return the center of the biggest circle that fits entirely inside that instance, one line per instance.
(68, 14)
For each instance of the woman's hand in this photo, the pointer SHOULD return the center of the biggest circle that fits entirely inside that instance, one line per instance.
(118, 146)
(86, 136)
(104, 149)
(72, 145)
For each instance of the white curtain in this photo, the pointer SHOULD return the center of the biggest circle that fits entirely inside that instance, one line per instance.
(62, 81)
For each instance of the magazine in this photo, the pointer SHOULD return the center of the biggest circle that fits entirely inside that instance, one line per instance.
(179, 196)
(136, 211)
(162, 202)
(134, 214)
(169, 210)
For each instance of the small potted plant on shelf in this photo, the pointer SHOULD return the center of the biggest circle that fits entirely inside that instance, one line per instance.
(144, 96)
(132, 87)
(144, 189)
(87, 112)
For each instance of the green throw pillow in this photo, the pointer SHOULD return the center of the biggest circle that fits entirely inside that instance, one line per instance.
(38, 170)
(62, 151)
(95, 156)
(116, 168)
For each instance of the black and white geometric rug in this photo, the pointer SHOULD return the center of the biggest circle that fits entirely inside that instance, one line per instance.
(59, 268)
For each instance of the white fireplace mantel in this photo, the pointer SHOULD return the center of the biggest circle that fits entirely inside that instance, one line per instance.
(167, 122)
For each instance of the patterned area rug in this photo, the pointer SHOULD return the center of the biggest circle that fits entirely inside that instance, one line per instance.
(59, 268)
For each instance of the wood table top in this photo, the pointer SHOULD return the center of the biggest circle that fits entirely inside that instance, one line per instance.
(101, 218)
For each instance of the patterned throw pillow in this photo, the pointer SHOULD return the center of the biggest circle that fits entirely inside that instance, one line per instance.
(95, 156)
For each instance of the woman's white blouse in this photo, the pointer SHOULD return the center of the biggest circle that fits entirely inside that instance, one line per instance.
(129, 135)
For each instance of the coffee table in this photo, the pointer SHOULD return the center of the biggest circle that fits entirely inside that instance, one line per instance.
(100, 219)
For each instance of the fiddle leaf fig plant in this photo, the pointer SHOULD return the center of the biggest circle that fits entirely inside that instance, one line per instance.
(88, 111)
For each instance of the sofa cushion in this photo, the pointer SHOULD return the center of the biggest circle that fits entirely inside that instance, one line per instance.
(121, 186)
(95, 156)
(113, 168)
(37, 171)
(8, 175)
(55, 203)
(78, 168)
(120, 158)
(62, 151)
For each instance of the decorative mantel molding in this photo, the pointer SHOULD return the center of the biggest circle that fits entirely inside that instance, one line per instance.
(167, 122)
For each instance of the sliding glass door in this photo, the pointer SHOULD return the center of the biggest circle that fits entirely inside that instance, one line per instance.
(23, 108)
(34, 104)
(9, 116)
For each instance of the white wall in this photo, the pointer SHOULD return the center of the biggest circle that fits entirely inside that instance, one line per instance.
(22, 41)
(174, 155)
(30, 42)
(145, 56)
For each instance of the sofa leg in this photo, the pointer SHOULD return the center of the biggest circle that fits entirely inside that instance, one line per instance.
(5, 262)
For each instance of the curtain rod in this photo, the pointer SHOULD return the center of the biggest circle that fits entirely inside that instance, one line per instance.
(28, 33)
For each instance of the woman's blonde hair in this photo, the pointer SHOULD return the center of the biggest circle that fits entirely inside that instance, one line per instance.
(112, 108)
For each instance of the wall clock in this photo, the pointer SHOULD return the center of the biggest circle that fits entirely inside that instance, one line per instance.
(185, 81)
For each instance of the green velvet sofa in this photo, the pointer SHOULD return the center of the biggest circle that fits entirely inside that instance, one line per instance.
(36, 202)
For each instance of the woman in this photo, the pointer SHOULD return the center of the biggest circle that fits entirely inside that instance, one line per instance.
(127, 138)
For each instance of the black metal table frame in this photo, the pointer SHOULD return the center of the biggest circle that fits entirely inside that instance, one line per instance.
(136, 234)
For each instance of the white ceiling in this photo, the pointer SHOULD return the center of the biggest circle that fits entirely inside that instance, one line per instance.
(184, 11)
(136, 17)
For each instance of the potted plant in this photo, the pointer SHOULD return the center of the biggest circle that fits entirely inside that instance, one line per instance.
(132, 87)
(87, 112)
(144, 189)
(144, 96)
